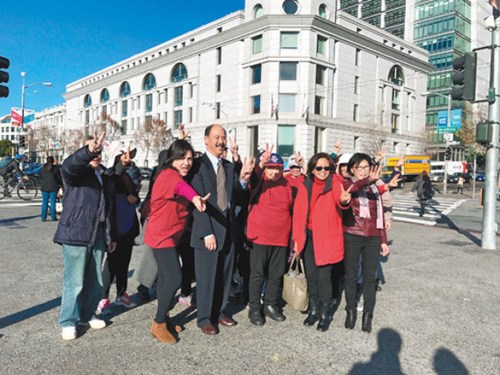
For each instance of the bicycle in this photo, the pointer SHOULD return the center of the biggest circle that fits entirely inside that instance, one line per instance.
(26, 188)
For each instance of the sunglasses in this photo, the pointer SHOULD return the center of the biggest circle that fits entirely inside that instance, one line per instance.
(319, 169)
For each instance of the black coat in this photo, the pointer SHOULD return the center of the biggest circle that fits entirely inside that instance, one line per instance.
(79, 220)
(51, 180)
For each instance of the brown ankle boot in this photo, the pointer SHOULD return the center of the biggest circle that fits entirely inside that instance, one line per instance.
(160, 331)
(171, 326)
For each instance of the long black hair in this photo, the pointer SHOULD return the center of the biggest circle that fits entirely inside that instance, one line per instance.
(47, 167)
(177, 150)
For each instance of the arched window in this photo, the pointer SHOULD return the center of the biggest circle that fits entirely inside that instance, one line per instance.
(396, 75)
(104, 95)
(87, 101)
(179, 73)
(149, 82)
(290, 6)
(258, 11)
(124, 89)
(323, 11)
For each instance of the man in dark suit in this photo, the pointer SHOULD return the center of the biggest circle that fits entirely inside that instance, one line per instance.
(211, 232)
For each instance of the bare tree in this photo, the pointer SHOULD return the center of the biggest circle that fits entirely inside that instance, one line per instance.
(153, 136)
(377, 135)
(71, 140)
(467, 133)
(41, 140)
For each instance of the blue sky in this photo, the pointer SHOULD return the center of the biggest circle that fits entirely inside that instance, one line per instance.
(62, 41)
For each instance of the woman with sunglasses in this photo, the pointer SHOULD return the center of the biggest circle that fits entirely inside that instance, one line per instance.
(364, 236)
(317, 231)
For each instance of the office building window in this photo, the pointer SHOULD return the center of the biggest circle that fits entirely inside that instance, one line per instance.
(289, 39)
(321, 45)
(87, 101)
(355, 113)
(318, 105)
(218, 55)
(357, 56)
(217, 110)
(356, 84)
(256, 104)
(287, 102)
(217, 83)
(179, 73)
(178, 95)
(124, 108)
(288, 71)
(149, 82)
(177, 119)
(320, 74)
(256, 73)
(258, 11)
(123, 128)
(149, 102)
(290, 6)
(257, 44)
(124, 89)
(104, 95)
(166, 95)
(286, 140)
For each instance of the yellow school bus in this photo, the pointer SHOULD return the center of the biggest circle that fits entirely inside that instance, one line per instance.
(413, 165)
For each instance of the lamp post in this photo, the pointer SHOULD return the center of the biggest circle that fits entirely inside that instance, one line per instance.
(448, 124)
(23, 91)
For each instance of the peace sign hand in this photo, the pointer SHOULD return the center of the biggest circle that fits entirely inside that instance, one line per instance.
(97, 144)
(233, 147)
(298, 158)
(375, 172)
(125, 157)
(395, 181)
(337, 147)
(266, 155)
(183, 133)
(345, 195)
(247, 169)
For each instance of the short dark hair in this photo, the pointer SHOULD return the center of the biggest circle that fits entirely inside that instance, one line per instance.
(314, 160)
(357, 158)
(208, 129)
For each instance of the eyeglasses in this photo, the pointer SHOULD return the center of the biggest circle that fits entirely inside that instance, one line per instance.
(365, 168)
(319, 169)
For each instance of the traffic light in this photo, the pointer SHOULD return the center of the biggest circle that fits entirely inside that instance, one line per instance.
(483, 133)
(4, 77)
(22, 141)
(464, 77)
(448, 153)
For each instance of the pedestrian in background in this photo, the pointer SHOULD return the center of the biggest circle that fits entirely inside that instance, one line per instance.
(86, 229)
(51, 182)
(460, 184)
(423, 187)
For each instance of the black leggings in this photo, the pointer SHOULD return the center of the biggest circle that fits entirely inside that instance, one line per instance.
(116, 265)
(169, 280)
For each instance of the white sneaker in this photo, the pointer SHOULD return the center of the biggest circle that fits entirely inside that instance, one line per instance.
(97, 323)
(68, 333)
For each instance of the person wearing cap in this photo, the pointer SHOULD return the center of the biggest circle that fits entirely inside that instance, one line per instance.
(86, 229)
(268, 228)
(294, 176)
(127, 179)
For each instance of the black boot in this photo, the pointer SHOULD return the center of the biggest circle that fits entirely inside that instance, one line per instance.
(325, 317)
(312, 313)
(274, 313)
(256, 317)
(367, 322)
(350, 319)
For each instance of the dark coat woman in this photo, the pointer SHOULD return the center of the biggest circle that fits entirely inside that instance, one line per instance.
(50, 184)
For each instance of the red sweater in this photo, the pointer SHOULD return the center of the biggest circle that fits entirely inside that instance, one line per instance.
(169, 212)
(270, 220)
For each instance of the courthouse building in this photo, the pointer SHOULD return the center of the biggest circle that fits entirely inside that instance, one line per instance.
(295, 73)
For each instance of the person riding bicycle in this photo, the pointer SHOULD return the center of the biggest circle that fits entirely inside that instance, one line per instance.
(10, 171)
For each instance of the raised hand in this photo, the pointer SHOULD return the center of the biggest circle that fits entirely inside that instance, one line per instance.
(266, 155)
(97, 144)
(337, 147)
(299, 159)
(233, 147)
(183, 133)
(345, 195)
(395, 181)
(247, 168)
(125, 157)
(375, 172)
(380, 155)
(401, 161)
(201, 202)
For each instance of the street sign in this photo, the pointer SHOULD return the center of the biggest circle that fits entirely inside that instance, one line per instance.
(455, 123)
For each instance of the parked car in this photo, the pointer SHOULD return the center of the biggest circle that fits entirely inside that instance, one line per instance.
(480, 176)
(437, 177)
(454, 177)
(145, 173)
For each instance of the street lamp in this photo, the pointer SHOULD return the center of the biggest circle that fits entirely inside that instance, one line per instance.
(23, 90)
(448, 125)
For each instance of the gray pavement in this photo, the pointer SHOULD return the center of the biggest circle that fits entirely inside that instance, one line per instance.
(437, 314)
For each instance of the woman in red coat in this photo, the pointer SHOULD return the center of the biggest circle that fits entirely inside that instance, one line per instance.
(170, 209)
(317, 231)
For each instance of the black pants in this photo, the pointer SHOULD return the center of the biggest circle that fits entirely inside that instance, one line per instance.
(322, 281)
(116, 265)
(169, 280)
(187, 257)
(213, 271)
(368, 248)
(266, 262)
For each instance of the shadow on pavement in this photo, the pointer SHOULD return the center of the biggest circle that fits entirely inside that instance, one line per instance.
(446, 363)
(12, 221)
(445, 220)
(29, 313)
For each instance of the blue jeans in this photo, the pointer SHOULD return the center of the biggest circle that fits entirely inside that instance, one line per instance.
(45, 202)
(82, 282)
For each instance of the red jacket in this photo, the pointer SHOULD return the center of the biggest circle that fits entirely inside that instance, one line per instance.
(328, 237)
(169, 213)
(295, 183)
(270, 219)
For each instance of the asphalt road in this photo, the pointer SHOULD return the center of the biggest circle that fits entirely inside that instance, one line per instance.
(437, 314)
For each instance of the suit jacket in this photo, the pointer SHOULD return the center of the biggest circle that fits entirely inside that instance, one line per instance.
(213, 220)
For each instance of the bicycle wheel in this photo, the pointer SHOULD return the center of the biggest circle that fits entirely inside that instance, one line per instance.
(27, 190)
